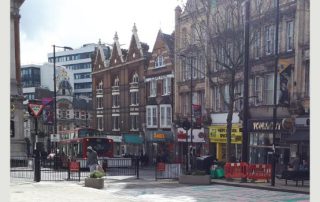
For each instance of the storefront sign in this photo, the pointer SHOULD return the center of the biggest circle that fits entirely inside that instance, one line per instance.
(264, 125)
(218, 134)
(197, 135)
(159, 136)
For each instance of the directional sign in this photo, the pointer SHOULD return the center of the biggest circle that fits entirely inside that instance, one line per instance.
(36, 109)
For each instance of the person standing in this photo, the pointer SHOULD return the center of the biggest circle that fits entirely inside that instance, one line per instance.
(92, 160)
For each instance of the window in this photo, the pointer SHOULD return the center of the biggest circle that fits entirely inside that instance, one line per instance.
(226, 95)
(257, 45)
(216, 95)
(115, 120)
(184, 40)
(268, 89)
(238, 95)
(152, 116)
(307, 79)
(77, 115)
(201, 67)
(258, 90)
(99, 102)
(269, 39)
(165, 116)
(153, 88)
(289, 36)
(115, 101)
(100, 123)
(159, 62)
(135, 78)
(116, 81)
(134, 122)
(134, 98)
(166, 86)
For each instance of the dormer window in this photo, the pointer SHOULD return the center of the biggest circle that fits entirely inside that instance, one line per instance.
(159, 62)
(135, 78)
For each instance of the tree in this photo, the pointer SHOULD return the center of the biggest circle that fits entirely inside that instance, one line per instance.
(217, 33)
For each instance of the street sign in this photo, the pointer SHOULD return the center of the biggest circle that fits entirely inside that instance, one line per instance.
(36, 109)
(54, 137)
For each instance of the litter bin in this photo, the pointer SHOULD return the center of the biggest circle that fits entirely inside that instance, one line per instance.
(203, 163)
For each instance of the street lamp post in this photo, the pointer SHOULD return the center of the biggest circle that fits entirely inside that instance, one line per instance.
(245, 134)
(55, 89)
(273, 174)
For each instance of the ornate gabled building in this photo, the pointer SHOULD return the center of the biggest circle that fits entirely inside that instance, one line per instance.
(119, 92)
(159, 80)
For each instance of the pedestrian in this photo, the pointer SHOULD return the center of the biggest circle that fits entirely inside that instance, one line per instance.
(294, 163)
(92, 160)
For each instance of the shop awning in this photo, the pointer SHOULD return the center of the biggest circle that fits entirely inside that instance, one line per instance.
(132, 139)
(300, 135)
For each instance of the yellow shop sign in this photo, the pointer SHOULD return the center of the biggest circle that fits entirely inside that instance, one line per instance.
(218, 134)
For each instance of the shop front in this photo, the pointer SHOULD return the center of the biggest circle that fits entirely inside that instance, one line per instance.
(160, 146)
(116, 145)
(261, 142)
(132, 144)
(197, 140)
(218, 136)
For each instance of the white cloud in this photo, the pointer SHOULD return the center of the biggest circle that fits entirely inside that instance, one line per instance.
(77, 22)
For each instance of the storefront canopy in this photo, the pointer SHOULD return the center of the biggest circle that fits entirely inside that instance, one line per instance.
(132, 139)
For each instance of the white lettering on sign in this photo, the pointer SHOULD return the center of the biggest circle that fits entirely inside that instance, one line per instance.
(265, 126)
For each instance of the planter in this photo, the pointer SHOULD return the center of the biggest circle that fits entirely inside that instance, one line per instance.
(195, 179)
(97, 183)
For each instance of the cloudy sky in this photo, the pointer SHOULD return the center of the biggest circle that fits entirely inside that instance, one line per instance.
(77, 22)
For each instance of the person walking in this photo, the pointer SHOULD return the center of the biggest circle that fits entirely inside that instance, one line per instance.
(92, 160)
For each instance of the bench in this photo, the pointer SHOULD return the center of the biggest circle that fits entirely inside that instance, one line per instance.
(297, 176)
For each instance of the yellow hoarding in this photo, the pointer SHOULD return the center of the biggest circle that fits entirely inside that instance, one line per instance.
(218, 134)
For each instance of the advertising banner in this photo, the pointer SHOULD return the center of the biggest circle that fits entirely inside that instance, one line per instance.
(218, 134)
(48, 111)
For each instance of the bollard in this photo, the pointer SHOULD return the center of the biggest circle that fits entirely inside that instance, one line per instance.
(37, 168)
(137, 163)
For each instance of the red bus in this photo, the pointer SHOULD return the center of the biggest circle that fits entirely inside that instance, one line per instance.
(76, 148)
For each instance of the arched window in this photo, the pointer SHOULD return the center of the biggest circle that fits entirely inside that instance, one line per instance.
(116, 81)
(135, 78)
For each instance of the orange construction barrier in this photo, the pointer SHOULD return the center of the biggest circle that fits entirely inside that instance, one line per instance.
(259, 171)
(236, 170)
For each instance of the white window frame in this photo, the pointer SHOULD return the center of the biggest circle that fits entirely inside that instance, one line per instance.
(166, 86)
(116, 123)
(153, 88)
(258, 89)
(268, 92)
(100, 123)
(134, 121)
(115, 101)
(290, 36)
(134, 98)
(217, 99)
(269, 39)
(152, 116)
(165, 116)
(159, 61)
